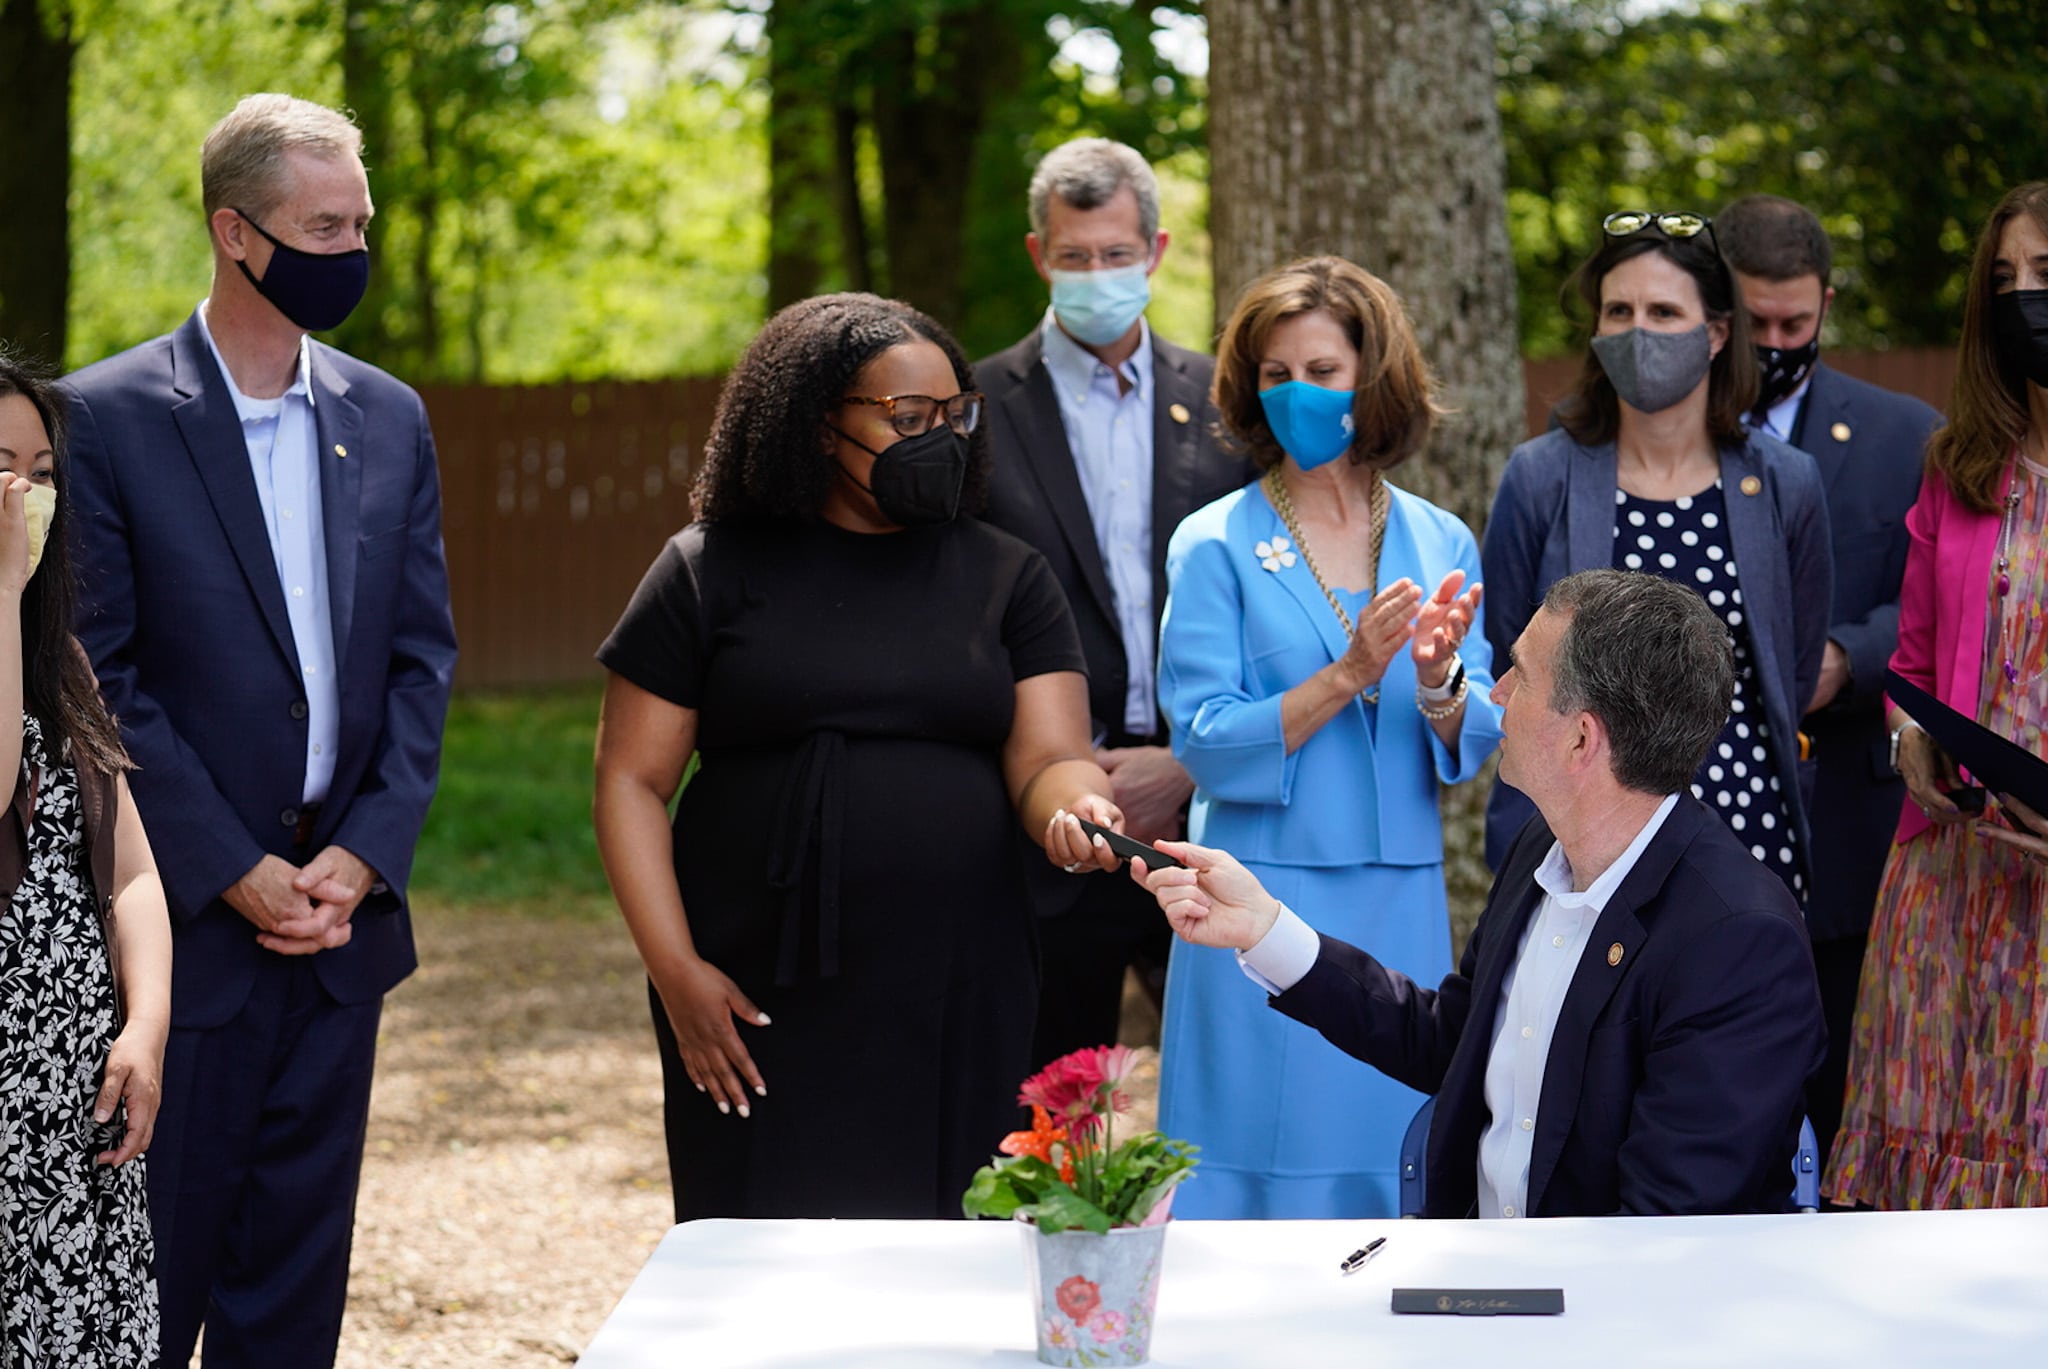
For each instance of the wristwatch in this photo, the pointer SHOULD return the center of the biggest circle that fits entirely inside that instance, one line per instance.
(1897, 733)
(1448, 689)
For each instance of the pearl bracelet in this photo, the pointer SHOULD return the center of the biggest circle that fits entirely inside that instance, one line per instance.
(1436, 713)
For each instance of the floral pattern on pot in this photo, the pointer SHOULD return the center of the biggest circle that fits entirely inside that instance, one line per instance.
(1096, 1294)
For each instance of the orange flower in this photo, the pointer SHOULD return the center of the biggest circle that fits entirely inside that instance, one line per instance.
(1038, 1141)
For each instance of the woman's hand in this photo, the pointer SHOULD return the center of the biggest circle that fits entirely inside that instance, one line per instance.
(133, 1079)
(1213, 901)
(13, 533)
(1928, 771)
(2028, 835)
(1382, 629)
(1072, 849)
(701, 1002)
(1440, 627)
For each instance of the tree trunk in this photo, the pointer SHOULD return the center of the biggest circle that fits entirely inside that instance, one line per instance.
(1369, 128)
(801, 212)
(36, 48)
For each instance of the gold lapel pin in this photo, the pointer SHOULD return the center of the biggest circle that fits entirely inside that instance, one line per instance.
(340, 450)
(1614, 954)
(1178, 412)
(1840, 432)
(1750, 484)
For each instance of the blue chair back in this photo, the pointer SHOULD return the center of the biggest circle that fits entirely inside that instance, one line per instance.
(1414, 1169)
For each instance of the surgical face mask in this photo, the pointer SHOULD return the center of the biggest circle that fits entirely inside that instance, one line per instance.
(916, 482)
(39, 507)
(1781, 370)
(1311, 424)
(315, 290)
(1098, 307)
(2019, 321)
(1652, 371)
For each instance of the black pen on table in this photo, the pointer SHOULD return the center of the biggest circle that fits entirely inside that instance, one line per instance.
(1356, 1260)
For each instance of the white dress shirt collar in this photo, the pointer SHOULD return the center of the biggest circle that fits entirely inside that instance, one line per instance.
(255, 410)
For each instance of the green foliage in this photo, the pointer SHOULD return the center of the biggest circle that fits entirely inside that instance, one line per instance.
(1121, 1191)
(510, 825)
(1899, 122)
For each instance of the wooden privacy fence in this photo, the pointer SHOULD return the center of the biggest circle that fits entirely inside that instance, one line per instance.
(556, 498)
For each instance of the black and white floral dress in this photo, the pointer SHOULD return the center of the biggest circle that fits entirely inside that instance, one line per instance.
(75, 1285)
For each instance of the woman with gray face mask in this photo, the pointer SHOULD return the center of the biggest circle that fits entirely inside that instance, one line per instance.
(1653, 470)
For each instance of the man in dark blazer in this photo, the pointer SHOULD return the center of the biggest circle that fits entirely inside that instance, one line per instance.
(1868, 444)
(1104, 439)
(265, 600)
(1633, 1022)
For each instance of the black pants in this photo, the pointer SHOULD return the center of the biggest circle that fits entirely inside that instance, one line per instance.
(1839, 964)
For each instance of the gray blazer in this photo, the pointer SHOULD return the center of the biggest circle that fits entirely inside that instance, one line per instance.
(1554, 514)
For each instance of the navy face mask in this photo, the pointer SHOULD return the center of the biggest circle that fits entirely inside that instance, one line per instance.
(315, 290)
(2019, 322)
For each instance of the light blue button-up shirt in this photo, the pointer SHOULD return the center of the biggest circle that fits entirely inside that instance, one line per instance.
(284, 457)
(1109, 430)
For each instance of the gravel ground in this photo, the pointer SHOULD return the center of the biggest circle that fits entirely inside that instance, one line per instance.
(515, 1180)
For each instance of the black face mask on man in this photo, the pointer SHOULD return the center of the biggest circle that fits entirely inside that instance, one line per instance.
(315, 290)
(916, 482)
(1781, 370)
(2019, 321)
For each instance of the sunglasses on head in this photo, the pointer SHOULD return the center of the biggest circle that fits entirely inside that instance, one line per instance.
(1679, 225)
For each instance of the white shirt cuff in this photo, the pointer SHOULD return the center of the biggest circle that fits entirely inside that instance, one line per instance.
(1284, 955)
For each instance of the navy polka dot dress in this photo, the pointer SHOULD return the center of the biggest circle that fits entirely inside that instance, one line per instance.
(1686, 542)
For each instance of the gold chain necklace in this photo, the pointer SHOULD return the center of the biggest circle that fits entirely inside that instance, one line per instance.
(1283, 504)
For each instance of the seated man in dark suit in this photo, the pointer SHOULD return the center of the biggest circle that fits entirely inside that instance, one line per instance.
(1635, 1017)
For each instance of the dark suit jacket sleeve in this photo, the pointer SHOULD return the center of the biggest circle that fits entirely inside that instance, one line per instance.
(1810, 561)
(1735, 1033)
(201, 846)
(1381, 1016)
(382, 824)
(1869, 640)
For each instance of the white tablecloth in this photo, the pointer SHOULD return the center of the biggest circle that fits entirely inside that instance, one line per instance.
(1859, 1290)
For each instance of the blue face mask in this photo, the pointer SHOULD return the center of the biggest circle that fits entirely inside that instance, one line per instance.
(1311, 424)
(1098, 307)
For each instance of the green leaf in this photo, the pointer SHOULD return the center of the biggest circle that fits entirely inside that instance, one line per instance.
(1062, 1209)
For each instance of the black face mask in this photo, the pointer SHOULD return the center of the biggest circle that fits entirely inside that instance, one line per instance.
(315, 290)
(1781, 370)
(916, 482)
(2019, 320)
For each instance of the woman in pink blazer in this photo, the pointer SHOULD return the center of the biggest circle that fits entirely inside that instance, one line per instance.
(1946, 1068)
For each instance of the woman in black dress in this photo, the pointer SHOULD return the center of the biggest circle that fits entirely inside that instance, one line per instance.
(879, 692)
(85, 951)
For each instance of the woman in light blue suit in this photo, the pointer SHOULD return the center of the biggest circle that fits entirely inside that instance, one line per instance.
(1318, 694)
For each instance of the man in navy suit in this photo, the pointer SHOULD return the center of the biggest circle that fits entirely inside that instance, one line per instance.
(1868, 444)
(266, 603)
(1104, 440)
(1633, 1022)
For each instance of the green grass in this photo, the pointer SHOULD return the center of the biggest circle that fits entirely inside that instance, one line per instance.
(510, 827)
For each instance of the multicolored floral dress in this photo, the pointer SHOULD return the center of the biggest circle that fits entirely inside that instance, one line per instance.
(1947, 1103)
(75, 1284)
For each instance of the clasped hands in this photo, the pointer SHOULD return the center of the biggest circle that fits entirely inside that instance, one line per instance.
(1399, 616)
(302, 910)
(1930, 774)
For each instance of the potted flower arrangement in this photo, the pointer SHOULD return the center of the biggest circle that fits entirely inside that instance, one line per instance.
(1096, 1206)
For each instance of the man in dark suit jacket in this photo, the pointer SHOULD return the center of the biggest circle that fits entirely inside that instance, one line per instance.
(266, 604)
(1104, 439)
(1869, 444)
(1632, 1024)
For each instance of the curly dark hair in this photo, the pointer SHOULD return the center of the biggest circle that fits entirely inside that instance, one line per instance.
(57, 683)
(764, 458)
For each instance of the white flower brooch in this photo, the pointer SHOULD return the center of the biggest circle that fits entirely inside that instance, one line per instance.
(1275, 554)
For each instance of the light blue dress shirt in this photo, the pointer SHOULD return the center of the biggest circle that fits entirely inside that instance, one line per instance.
(284, 456)
(1109, 431)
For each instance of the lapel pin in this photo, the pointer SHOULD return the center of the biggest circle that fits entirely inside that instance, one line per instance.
(1178, 412)
(1750, 484)
(340, 450)
(1614, 954)
(1840, 432)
